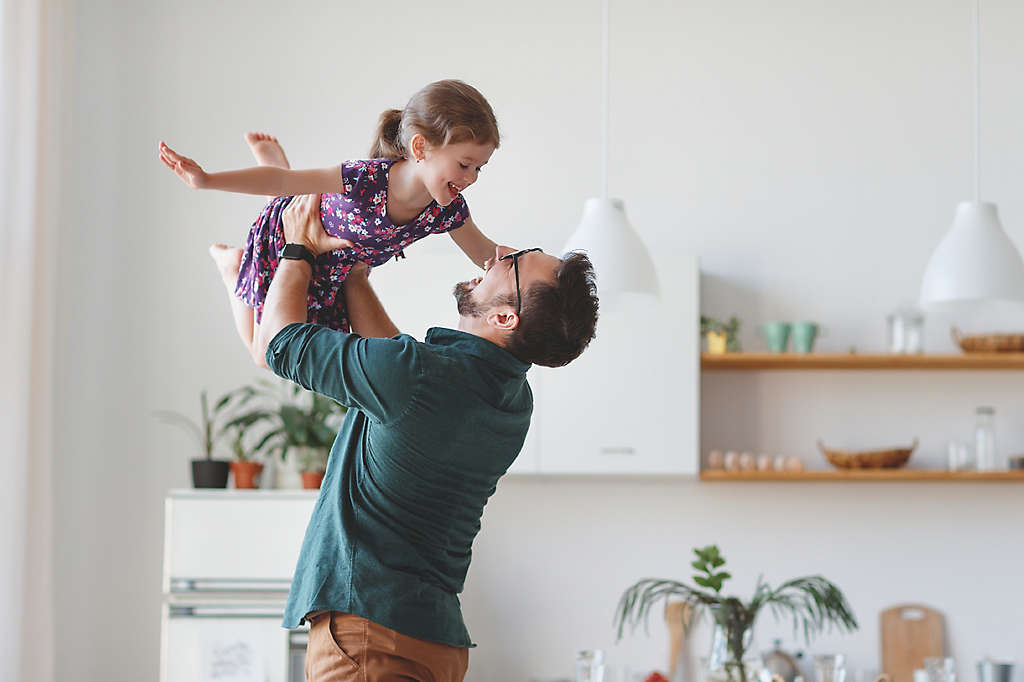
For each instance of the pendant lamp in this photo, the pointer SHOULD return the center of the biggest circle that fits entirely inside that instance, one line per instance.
(621, 261)
(975, 260)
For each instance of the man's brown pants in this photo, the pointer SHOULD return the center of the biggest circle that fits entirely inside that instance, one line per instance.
(347, 648)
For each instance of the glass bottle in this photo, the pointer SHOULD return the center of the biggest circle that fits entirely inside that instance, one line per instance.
(985, 439)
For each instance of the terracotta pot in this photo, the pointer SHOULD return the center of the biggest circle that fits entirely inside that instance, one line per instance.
(311, 480)
(246, 473)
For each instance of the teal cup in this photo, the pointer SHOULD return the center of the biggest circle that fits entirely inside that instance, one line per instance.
(804, 334)
(777, 335)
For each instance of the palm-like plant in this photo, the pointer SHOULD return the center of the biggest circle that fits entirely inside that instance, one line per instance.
(209, 430)
(813, 602)
(294, 422)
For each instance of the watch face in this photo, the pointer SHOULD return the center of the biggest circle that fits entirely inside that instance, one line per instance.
(297, 252)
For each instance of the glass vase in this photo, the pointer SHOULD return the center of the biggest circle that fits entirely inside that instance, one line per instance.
(722, 665)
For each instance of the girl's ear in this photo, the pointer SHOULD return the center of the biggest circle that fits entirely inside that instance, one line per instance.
(418, 147)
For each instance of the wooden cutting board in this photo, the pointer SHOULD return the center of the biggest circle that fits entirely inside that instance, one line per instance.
(910, 633)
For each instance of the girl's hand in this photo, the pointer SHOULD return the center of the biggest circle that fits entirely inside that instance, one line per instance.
(185, 168)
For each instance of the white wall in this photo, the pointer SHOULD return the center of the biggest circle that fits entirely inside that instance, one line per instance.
(811, 153)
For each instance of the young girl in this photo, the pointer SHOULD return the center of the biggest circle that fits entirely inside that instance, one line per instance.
(423, 157)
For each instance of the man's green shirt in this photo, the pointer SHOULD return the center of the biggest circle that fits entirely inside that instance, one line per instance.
(433, 427)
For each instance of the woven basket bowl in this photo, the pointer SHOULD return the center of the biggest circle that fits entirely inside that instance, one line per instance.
(989, 343)
(891, 458)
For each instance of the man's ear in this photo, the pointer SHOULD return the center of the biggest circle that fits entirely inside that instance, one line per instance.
(503, 319)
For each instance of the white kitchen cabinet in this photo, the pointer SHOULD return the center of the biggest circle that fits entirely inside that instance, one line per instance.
(630, 403)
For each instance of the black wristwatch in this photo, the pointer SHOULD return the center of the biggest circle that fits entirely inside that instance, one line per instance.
(298, 252)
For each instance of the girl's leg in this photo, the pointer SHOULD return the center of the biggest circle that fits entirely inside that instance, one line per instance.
(228, 259)
(267, 150)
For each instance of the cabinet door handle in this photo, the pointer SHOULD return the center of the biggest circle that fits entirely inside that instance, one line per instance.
(622, 450)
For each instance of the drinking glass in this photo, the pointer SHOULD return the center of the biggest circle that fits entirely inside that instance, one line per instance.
(940, 669)
(830, 668)
(590, 665)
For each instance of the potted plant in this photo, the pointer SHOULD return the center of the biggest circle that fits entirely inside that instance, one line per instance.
(206, 472)
(244, 466)
(722, 337)
(303, 426)
(812, 601)
(313, 465)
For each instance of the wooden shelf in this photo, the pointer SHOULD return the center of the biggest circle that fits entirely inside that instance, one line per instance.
(859, 361)
(1016, 476)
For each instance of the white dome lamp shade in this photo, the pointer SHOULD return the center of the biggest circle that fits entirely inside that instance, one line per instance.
(976, 260)
(621, 261)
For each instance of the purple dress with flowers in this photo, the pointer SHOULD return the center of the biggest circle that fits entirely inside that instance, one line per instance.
(359, 214)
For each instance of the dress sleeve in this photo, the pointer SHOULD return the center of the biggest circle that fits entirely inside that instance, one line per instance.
(454, 215)
(371, 374)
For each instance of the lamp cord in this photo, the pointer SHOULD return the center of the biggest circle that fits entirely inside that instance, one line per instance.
(977, 100)
(604, 100)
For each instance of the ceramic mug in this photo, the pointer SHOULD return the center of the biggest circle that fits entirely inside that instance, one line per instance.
(777, 335)
(804, 334)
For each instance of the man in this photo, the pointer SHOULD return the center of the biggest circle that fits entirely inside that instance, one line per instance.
(434, 426)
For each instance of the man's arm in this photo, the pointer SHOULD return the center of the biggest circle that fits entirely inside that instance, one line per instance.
(365, 312)
(286, 299)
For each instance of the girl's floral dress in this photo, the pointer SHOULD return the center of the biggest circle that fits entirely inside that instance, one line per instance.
(358, 213)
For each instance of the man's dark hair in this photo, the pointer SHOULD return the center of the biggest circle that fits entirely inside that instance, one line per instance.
(557, 321)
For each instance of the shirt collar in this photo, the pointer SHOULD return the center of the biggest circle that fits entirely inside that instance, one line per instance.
(476, 346)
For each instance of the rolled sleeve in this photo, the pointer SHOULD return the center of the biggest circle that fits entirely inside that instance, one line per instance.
(374, 375)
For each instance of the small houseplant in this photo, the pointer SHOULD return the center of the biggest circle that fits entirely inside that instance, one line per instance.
(302, 425)
(206, 472)
(244, 466)
(812, 601)
(722, 337)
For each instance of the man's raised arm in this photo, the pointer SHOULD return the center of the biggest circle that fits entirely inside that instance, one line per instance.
(286, 299)
(365, 312)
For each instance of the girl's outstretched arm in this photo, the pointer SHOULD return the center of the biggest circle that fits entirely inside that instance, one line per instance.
(473, 242)
(266, 180)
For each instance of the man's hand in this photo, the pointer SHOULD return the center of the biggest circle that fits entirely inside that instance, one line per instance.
(185, 168)
(302, 225)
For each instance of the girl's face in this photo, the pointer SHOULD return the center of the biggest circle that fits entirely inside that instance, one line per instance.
(447, 171)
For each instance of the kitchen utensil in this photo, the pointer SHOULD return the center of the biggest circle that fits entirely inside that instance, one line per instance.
(679, 618)
(994, 671)
(910, 633)
(988, 343)
(890, 458)
(778, 662)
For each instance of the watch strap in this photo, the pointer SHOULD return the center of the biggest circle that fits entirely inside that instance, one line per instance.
(298, 252)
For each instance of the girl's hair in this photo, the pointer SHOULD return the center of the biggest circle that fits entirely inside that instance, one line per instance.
(444, 112)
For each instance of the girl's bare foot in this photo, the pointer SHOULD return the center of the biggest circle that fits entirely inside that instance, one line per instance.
(267, 150)
(228, 260)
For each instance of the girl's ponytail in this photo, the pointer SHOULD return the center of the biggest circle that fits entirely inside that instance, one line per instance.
(388, 144)
(445, 112)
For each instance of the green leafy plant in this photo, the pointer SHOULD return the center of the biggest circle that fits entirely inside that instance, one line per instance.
(813, 602)
(212, 425)
(731, 329)
(296, 417)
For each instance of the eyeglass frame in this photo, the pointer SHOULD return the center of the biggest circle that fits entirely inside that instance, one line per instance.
(515, 256)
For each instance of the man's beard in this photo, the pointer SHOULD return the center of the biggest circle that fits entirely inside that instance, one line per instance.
(465, 303)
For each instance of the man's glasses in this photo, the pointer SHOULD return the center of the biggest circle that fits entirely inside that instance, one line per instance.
(515, 255)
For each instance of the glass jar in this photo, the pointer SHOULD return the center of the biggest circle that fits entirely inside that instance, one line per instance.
(985, 439)
(906, 331)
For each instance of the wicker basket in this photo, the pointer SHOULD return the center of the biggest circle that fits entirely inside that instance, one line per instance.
(989, 343)
(891, 458)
